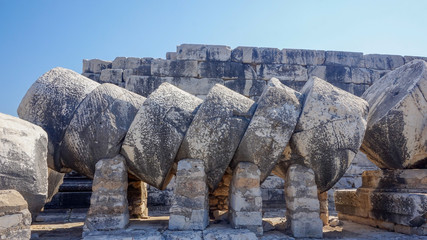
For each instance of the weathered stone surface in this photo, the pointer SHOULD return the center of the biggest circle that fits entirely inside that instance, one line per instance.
(271, 127)
(145, 85)
(169, 68)
(55, 179)
(248, 88)
(328, 134)
(282, 72)
(98, 127)
(245, 198)
(93, 76)
(216, 131)
(411, 58)
(226, 70)
(302, 204)
(171, 56)
(221, 232)
(137, 199)
(303, 57)
(156, 133)
(190, 208)
(51, 102)
(15, 219)
(255, 55)
(201, 52)
(402, 180)
(383, 62)
(350, 59)
(95, 65)
(108, 203)
(130, 62)
(182, 235)
(114, 76)
(396, 136)
(23, 160)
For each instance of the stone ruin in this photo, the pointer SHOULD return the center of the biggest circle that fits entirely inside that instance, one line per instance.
(256, 111)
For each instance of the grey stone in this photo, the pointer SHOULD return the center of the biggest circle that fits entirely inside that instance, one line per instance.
(95, 65)
(396, 135)
(23, 160)
(51, 102)
(383, 62)
(333, 73)
(328, 134)
(216, 131)
(55, 179)
(377, 74)
(108, 203)
(156, 133)
(137, 199)
(171, 56)
(349, 59)
(226, 70)
(114, 76)
(411, 58)
(201, 52)
(182, 235)
(225, 233)
(282, 72)
(271, 127)
(15, 219)
(93, 76)
(255, 55)
(360, 76)
(190, 208)
(130, 62)
(248, 88)
(145, 85)
(98, 127)
(178, 68)
(302, 204)
(245, 198)
(303, 57)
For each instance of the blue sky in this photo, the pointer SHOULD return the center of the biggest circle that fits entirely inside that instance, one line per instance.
(36, 36)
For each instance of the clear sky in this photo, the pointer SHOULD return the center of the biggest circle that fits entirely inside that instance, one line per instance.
(36, 36)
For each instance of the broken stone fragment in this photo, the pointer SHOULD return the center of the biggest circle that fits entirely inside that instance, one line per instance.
(396, 135)
(98, 127)
(328, 134)
(23, 164)
(156, 133)
(271, 127)
(51, 102)
(216, 131)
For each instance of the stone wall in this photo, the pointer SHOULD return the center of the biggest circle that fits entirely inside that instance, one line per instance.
(196, 68)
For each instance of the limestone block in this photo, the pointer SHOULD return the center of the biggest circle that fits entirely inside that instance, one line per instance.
(216, 131)
(114, 76)
(383, 62)
(137, 199)
(51, 102)
(328, 134)
(245, 198)
(178, 68)
(333, 74)
(302, 204)
(377, 74)
(95, 65)
(145, 85)
(411, 58)
(396, 135)
(360, 76)
(108, 203)
(402, 180)
(171, 56)
(119, 63)
(247, 88)
(156, 133)
(98, 127)
(349, 59)
(55, 179)
(271, 127)
(94, 76)
(226, 70)
(23, 160)
(302, 57)
(282, 72)
(202, 52)
(190, 208)
(130, 62)
(15, 219)
(255, 55)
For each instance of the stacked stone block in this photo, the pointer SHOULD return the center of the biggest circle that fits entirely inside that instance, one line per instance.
(15, 219)
(245, 198)
(190, 208)
(137, 199)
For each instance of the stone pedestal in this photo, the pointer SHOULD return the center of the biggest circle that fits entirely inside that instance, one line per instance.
(395, 200)
(15, 219)
(137, 199)
(245, 198)
(190, 207)
(108, 203)
(302, 203)
(323, 202)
